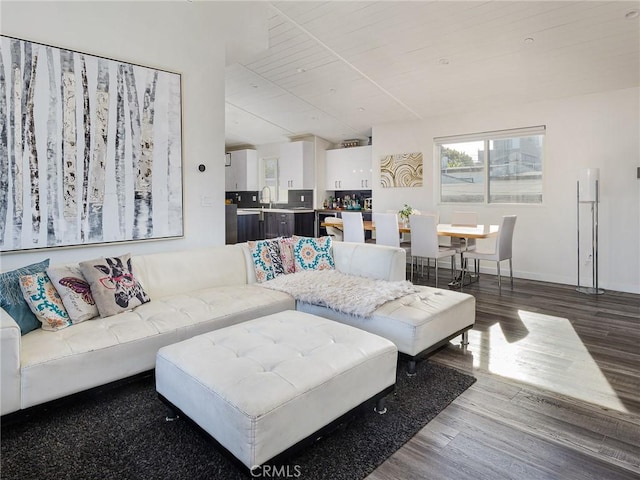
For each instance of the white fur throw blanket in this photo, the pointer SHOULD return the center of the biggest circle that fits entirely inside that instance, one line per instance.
(339, 291)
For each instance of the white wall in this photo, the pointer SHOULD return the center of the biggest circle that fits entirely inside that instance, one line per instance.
(184, 37)
(320, 192)
(599, 130)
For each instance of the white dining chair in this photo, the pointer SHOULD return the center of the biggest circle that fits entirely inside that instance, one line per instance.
(424, 243)
(387, 232)
(335, 232)
(502, 250)
(352, 227)
(464, 219)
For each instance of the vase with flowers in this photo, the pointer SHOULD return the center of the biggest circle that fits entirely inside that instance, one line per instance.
(405, 212)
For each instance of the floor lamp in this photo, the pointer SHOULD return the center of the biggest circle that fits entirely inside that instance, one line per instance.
(588, 191)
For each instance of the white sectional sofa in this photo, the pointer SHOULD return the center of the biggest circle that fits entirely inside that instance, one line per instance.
(192, 292)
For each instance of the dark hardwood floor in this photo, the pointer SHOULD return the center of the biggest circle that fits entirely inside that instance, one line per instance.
(557, 396)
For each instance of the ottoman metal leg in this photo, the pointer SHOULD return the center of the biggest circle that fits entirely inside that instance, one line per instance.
(411, 367)
(380, 406)
(465, 338)
(172, 411)
(172, 414)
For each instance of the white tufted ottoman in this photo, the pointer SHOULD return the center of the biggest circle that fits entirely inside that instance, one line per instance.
(263, 386)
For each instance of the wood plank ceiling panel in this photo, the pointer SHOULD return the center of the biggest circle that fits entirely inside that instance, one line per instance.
(362, 63)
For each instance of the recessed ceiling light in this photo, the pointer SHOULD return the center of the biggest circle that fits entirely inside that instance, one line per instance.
(632, 14)
(301, 70)
(253, 85)
(361, 109)
(332, 90)
(529, 40)
(443, 61)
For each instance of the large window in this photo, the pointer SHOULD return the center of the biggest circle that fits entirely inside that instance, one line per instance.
(269, 179)
(492, 167)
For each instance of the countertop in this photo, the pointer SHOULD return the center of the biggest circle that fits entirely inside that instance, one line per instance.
(340, 210)
(255, 211)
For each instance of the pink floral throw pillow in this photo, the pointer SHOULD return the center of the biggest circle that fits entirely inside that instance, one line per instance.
(286, 254)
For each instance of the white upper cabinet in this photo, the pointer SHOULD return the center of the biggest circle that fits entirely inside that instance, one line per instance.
(242, 174)
(296, 166)
(349, 168)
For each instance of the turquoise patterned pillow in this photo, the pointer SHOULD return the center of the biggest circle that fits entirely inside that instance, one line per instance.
(44, 301)
(266, 259)
(12, 300)
(313, 253)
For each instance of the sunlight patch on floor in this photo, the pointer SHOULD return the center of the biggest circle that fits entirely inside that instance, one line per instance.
(564, 365)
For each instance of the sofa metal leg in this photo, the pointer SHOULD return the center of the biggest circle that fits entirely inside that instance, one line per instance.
(172, 414)
(380, 406)
(465, 338)
(411, 368)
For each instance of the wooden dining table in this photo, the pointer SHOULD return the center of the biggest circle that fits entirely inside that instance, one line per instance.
(444, 230)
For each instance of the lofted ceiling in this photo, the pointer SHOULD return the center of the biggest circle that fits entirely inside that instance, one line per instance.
(335, 69)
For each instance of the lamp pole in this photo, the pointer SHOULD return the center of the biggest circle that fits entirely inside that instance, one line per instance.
(593, 290)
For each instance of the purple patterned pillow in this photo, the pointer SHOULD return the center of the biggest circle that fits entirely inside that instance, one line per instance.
(74, 291)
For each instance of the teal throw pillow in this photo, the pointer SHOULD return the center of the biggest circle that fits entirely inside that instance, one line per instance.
(313, 253)
(12, 300)
(266, 259)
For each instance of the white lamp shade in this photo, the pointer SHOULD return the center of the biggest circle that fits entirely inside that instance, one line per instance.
(588, 187)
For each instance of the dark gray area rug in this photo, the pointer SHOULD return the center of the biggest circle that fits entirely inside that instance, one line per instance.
(122, 434)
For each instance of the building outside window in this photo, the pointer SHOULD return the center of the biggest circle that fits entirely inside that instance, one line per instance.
(492, 167)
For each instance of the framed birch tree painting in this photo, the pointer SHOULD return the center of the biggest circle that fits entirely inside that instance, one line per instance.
(90, 149)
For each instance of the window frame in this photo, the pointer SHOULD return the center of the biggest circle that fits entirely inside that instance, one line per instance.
(486, 137)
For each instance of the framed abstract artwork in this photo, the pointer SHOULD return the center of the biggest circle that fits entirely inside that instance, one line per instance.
(90, 149)
(401, 170)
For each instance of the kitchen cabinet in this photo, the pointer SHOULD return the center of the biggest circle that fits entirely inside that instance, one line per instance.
(296, 166)
(278, 224)
(248, 227)
(349, 169)
(286, 224)
(231, 224)
(241, 171)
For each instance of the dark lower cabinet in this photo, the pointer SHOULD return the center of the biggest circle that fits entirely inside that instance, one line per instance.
(230, 224)
(304, 224)
(281, 224)
(248, 227)
(278, 224)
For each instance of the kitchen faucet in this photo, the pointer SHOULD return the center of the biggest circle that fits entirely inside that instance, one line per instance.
(262, 192)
